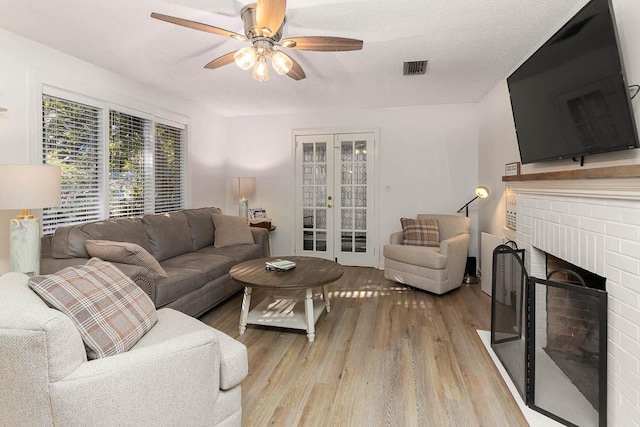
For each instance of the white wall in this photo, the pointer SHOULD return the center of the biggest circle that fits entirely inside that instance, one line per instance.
(24, 62)
(428, 155)
(208, 139)
(497, 147)
(497, 137)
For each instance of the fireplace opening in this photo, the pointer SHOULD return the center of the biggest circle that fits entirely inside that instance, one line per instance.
(591, 280)
(572, 340)
(551, 336)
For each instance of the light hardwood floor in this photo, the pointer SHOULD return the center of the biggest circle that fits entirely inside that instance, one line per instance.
(386, 355)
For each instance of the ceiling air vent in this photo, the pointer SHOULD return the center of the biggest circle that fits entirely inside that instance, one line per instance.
(413, 68)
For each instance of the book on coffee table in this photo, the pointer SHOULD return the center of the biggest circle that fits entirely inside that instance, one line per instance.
(280, 265)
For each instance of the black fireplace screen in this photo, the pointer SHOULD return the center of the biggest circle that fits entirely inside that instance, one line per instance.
(507, 308)
(568, 352)
(551, 337)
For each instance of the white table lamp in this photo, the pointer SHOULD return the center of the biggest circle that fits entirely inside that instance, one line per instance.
(28, 187)
(242, 187)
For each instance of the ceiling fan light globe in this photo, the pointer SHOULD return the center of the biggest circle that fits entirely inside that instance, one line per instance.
(281, 62)
(245, 58)
(261, 70)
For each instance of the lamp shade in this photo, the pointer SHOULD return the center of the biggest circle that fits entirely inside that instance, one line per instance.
(29, 186)
(243, 186)
(482, 192)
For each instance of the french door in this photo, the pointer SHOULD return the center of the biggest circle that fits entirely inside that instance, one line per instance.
(335, 198)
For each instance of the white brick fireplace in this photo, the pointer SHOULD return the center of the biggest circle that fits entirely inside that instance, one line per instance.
(594, 224)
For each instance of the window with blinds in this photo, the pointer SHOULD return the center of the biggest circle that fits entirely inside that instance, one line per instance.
(129, 170)
(72, 139)
(169, 158)
(114, 164)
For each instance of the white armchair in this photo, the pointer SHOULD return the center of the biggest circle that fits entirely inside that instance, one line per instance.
(182, 372)
(434, 269)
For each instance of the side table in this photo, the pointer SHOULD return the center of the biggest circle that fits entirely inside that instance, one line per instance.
(270, 229)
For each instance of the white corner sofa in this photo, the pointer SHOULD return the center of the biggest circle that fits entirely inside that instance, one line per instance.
(182, 372)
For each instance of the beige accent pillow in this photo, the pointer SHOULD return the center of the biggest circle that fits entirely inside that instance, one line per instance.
(111, 312)
(231, 230)
(126, 253)
(420, 232)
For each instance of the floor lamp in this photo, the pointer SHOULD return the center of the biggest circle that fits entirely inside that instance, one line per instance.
(27, 187)
(242, 187)
(470, 277)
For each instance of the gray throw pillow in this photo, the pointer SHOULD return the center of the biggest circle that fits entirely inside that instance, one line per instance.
(126, 253)
(231, 230)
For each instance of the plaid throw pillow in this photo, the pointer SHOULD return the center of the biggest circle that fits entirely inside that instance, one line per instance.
(111, 312)
(420, 232)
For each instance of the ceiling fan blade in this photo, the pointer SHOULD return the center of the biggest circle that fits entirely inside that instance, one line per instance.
(296, 72)
(322, 43)
(270, 14)
(223, 60)
(198, 26)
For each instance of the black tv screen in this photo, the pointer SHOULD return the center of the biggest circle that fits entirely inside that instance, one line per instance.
(570, 98)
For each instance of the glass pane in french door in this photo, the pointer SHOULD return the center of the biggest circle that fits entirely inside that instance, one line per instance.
(353, 192)
(314, 196)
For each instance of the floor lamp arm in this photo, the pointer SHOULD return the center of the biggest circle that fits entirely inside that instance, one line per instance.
(466, 207)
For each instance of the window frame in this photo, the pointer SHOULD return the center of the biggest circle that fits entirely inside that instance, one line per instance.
(107, 102)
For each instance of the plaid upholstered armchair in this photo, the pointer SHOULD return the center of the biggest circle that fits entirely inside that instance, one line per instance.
(430, 253)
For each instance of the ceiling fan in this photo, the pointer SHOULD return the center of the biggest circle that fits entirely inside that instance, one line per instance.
(263, 23)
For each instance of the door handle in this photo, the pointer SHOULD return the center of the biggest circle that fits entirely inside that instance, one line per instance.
(329, 205)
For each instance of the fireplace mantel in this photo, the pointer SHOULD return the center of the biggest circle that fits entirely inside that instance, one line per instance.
(612, 172)
(617, 182)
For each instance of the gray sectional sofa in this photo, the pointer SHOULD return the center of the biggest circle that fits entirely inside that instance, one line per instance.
(182, 242)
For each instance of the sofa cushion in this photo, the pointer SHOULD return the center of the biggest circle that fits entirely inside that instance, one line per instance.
(109, 310)
(233, 354)
(69, 242)
(180, 282)
(231, 230)
(420, 232)
(168, 234)
(125, 252)
(239, 253)
(211, 266)
(201, 226)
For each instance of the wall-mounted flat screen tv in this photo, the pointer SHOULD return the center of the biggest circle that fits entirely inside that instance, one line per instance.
(570, 98)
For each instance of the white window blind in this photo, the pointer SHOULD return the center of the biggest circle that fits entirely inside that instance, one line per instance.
(169, 159)
(116, 161)
(130, 179)
(71, 138)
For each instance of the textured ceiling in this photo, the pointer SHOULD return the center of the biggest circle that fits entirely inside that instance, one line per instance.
(470, 45)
